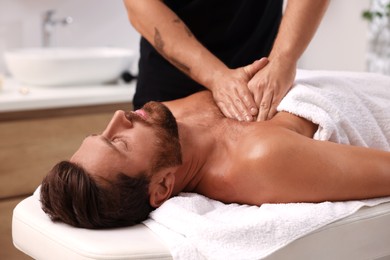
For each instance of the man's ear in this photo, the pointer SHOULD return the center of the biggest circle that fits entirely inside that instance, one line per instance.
(161, 187)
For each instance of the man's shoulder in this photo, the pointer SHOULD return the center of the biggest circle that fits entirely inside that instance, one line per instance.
(264, 141)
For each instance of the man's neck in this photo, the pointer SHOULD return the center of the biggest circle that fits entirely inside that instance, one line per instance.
(200, 143)
(199, 127)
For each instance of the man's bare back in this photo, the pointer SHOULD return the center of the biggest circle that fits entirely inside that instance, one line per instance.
(272, 161)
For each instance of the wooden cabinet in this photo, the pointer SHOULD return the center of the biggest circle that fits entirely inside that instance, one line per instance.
(31, 142)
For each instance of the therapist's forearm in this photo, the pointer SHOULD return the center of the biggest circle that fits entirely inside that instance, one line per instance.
(298, 26)
(173, 40)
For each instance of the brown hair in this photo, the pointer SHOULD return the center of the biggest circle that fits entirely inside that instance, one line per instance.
(70, 195)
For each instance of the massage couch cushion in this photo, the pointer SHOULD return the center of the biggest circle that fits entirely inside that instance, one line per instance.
(363, 235)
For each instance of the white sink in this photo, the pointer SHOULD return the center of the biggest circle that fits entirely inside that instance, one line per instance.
(68, 66)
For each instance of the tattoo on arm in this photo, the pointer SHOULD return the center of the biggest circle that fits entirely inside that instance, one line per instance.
(159, 44)
(158, 41)
(189, 33)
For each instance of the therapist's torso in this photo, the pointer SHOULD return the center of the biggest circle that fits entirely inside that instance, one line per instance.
(236, 31)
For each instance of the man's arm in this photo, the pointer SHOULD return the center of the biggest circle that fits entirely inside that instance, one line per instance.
(174, 40)
(294, 168)
(298, 26)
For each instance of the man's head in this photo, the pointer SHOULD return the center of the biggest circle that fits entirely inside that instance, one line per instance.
(116, 178)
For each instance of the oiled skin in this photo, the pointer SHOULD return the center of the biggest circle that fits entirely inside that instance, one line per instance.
(276, 161)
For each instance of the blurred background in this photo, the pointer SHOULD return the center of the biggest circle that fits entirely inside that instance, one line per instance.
(340, 42)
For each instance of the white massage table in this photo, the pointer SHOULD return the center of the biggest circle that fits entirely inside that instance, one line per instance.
(363, 235)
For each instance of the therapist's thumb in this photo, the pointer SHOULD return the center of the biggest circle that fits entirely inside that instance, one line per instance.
(257, 65)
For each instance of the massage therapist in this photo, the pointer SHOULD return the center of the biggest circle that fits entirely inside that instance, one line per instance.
(189, 45)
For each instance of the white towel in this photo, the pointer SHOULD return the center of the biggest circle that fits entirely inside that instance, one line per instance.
(195, 227)
(351, 108)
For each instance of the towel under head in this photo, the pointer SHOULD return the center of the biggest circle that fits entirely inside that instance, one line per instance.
(350, 108)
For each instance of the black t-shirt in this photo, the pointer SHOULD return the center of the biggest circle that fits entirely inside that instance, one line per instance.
(236, 31)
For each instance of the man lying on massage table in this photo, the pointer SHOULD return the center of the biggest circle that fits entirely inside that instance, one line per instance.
(145, 157)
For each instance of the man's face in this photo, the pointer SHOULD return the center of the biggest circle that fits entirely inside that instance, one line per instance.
(133, 142)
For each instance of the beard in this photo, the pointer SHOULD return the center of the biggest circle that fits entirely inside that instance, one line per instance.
(168, 148)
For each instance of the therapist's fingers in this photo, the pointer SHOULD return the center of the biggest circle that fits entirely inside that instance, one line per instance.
(229, 107)
(251, 70)
(270, 101)
(269, 86)
(243, 101)
(246, 104)
(230, 110)
(265, 106)
(239, 114)
(225, 111)
(232, 96)
(228, 100)
(275, 103)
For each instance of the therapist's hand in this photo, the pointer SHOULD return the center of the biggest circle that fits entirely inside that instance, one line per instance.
(269, 85)
(231, 93)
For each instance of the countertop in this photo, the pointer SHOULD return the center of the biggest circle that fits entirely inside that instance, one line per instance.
(19, 97)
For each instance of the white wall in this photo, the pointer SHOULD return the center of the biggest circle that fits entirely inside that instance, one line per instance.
(340, 42)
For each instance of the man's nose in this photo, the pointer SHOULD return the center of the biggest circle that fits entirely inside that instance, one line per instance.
(118, 123)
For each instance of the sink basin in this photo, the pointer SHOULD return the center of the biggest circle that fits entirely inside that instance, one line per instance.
(68, 66)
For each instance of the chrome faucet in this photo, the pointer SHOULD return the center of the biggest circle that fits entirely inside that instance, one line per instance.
(48, 24)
